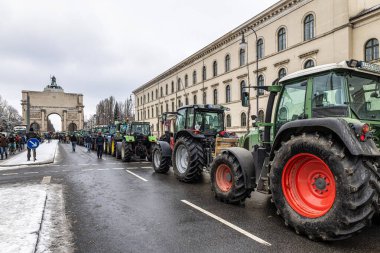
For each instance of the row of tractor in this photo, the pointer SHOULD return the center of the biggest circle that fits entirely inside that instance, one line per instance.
(316, 153)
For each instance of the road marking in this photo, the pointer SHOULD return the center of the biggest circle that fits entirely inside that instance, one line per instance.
(54, 171)
(104, 169)
(65, 170)
(117, 168)
(242, 231)
(65, 165)
(55, 165)
(46, 180)
(146, 167)
(83, 164)
(9, 174)
(87, 169)
(32, 172)
(143, 179)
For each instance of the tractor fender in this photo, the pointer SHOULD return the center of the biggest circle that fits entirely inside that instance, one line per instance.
(340, 129)
(165, 148)
(187, 132)
(246, 162)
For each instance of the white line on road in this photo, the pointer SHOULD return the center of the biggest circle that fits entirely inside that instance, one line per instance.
(46, 180)
(54, 171)
(117, 168)
(143, 179)
(87, 169)
(146, 167)
(32, 172)
(104, 169)
(9, 174)
(253, 237)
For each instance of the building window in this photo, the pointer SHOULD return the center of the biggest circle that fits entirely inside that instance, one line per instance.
(228, 94)
(204, 98)
(372, 50)
(162, 109)
(186, 80)
(179, 103)
(242, 57)
(215, 69)
(152, 112)
(194, 77)
(228, 119)
(260, 48)
(152, 96)
(242, 85)
(148, 113)
(204, 73)
(156, 93)
(179, 84)
(148, 97)
(167, 107)
(215, 97)
(173, 108)
(261, 116)
(161, 92)
(172, 87)
(243, 118)
(166, 89)
(308, 64)
(260, 82)
(227, 63)
(157, 112)
(195, 99)
(281, 39)
(281, 73)
(186, 100)
(308, 25)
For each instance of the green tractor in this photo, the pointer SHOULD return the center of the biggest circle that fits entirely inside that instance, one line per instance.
(199, 136)
(115, 138)
(137, 142)
(317, 154)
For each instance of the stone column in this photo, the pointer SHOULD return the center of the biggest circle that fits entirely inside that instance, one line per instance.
(64, 125)
(43, 121)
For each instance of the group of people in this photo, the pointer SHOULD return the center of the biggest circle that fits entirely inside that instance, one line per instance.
(11, 144)
(88, 142)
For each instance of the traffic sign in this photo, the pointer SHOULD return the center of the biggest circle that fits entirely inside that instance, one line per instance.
(33, 143)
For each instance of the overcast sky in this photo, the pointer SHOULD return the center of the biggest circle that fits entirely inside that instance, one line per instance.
(102, 48)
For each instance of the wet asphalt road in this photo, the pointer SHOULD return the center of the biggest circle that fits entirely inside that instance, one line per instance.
(112, 210)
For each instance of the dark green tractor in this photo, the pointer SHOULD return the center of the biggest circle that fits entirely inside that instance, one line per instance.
(199, 136)
(317, 154)
(137, 142)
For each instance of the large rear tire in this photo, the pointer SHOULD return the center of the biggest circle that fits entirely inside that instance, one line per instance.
(118, 150)
(227, 180)
(322, 191)
(126, 152)
(188, 159)
(160, 164)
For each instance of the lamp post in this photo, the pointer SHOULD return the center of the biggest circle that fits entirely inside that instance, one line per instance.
(244, 45)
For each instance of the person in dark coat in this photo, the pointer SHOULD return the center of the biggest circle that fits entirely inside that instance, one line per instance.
(99, 144)
(30, 135)
(3, 146)
(88, 141)
(74, 141)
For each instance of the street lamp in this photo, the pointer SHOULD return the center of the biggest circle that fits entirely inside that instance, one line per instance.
(244, 45)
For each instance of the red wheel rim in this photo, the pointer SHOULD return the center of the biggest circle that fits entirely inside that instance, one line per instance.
(223, 177)
(308, 185)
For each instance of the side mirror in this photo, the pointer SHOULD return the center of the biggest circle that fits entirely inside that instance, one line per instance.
(244, 96)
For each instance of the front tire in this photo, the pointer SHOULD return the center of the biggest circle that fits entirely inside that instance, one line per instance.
(160, 164)
(188, 159)
(320, 190)
(126, 152)
(227, 180)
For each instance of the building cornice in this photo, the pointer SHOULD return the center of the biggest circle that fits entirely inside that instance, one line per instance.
(257, 21)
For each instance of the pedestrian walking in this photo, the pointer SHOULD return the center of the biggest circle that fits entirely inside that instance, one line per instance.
(30, 135)
(99, 145)
(74, 141)
(3, 146)
(23, 142)
(88, 141)
(12, 144)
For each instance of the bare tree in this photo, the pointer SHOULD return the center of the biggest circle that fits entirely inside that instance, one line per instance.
(9, 116)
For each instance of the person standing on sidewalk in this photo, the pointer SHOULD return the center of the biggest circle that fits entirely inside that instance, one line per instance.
(74, 141)
(99, 145)
(3, 146)
(30, 135)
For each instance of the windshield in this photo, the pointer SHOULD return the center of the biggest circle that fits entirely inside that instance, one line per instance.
(364, 96)
(124, 128)
(209, 122)
(141, 129)
(112, 129)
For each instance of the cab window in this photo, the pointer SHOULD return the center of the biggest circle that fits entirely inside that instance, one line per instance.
(292, 103)
(181, 120)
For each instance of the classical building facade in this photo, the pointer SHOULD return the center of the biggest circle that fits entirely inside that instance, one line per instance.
(291, 35)
(37, 106)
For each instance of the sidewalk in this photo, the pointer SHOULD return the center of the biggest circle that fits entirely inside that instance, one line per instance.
(45, 154)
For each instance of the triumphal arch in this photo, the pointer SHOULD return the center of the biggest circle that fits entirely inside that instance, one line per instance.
(38, 105)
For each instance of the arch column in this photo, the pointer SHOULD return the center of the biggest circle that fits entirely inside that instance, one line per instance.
(43, 127)
(64, 121)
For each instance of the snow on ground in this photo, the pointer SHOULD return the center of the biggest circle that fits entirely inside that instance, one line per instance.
(55, 235)
(45, 154)
(32, 219)
(21, 212)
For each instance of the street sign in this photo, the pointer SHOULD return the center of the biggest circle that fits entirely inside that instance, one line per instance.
(33, 143)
